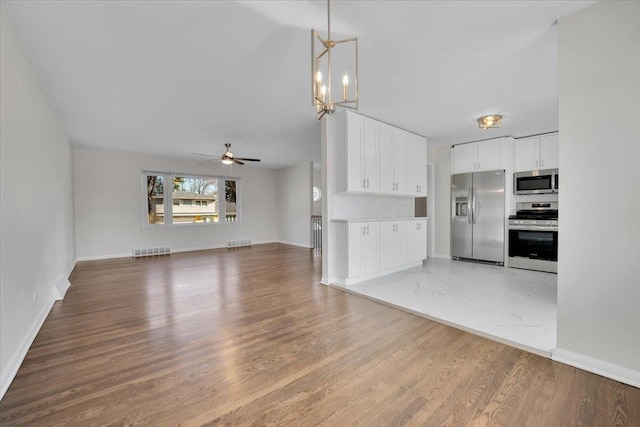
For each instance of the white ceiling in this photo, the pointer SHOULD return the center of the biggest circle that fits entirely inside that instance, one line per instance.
(176, 77)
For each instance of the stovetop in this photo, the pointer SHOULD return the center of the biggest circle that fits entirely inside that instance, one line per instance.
(536, 211)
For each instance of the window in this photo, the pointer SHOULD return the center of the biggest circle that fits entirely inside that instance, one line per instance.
(154, 199)
(190, 199)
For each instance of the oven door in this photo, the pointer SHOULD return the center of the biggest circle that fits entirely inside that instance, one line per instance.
(533, 244)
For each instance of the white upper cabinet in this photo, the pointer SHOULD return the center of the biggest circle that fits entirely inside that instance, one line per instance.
(489, 155)
(538, 152)
(393, 160)
(372, 157)
(416, 165)
(362, 154)
(549, 151)
(465, 157)
(479, 156)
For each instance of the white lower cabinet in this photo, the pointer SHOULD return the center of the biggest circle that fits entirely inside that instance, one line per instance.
(417, 240)
(393, 244)
(368, 249)
(363, 256)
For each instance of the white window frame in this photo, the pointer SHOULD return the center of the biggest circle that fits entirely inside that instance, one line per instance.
(168, 199)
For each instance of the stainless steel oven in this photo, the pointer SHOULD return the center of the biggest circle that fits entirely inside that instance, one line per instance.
(533, 237)
(536, 182)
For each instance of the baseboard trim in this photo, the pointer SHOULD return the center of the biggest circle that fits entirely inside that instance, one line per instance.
(9, 372)
(353, 280)
(597, 366)
(173, 250)
(58, 290)
(301, 245)
(99, 257)
(62, 284)
(441, 256)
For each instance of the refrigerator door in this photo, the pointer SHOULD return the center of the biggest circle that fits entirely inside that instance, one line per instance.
(461, 227)
(488, 216)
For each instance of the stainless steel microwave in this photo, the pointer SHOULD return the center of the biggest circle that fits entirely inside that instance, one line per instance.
(536, 182)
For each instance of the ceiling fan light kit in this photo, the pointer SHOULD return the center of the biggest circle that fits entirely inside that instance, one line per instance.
(490, 121)
(228, 158)
(321, 67)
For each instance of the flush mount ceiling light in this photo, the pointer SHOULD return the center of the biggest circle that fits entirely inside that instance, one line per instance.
(345, 59)
(491, 121)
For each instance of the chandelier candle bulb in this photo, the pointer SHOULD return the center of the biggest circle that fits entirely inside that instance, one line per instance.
(323, 92)
(318, 82)
(345, 87)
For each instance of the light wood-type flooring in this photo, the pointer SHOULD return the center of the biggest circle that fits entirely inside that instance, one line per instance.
(249, 337)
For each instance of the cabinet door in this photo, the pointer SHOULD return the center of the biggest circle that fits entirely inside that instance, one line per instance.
(416, 166)
(356, 233)
(399, 161)
(371, 156)
(370, 248)
(527, 154)
(549, 151)
(417, 240)
(488, 155)
(354, 146)
(464, 158)
(421, 174)
(400, 244)
(386, 242)
(387, 181)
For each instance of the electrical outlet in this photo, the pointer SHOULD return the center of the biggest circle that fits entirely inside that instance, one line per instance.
(35, 295)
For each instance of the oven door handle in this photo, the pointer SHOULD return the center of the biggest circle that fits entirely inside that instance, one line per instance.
(469, 208)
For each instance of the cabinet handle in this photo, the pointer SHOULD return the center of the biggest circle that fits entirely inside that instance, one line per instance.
(367, 230)
(364, 230)
(367, 182)
(541, 163)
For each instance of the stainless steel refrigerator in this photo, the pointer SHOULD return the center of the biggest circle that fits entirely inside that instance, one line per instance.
(477, 216)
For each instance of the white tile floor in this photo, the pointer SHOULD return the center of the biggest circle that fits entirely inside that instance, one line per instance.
(518, 307)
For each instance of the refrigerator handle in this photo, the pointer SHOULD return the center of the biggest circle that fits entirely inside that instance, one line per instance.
(473, 211)
(469, 207)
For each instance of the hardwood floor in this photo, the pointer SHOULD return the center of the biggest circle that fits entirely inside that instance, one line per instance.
(249, 337)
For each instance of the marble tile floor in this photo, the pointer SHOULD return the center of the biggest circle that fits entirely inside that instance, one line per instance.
(513, 306)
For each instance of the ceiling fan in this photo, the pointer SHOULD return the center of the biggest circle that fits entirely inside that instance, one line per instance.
(228, 158)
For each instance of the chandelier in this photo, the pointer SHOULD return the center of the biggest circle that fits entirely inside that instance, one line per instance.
(491, 121)
(327, 55)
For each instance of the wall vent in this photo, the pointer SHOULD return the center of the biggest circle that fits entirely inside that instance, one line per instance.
(162, 250)
(238, 244)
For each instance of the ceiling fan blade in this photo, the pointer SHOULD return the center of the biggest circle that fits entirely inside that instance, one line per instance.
(238, 162)
(247, 160)
(204, 155)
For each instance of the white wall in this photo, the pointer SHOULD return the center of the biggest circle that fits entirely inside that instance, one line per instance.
(109, 203)
(599, 246)
(36, 202)
(440, 157)
(294, 202)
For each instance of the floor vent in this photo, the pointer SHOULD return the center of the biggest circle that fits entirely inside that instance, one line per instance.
(162, 250)
(238, 244)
